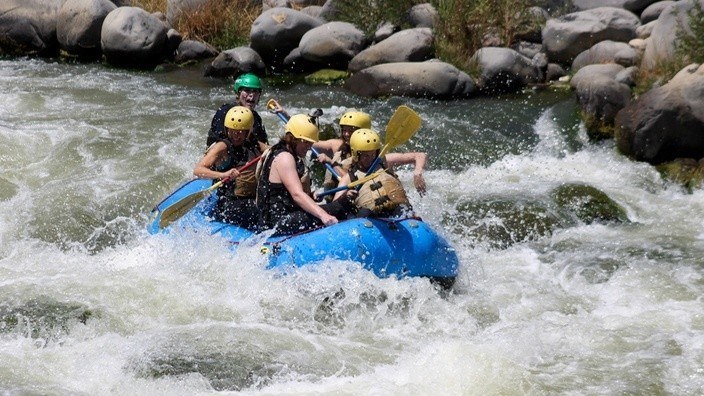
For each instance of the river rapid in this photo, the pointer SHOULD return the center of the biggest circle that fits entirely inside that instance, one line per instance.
(91, 304)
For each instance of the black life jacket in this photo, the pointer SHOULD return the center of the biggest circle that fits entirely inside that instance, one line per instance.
(273, 199)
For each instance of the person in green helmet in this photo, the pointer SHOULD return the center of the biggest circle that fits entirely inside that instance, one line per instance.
(248, 88)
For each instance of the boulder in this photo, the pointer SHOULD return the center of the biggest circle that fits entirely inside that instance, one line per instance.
(504, 70)
(653, 11)
(566, 37)
(666, 122)
(600, 99)
(234, 62)
(644, 31)
(430, 79)
(78, 25)
(423, 16)
(132, 37)
(661, 43)
(607, 52)
(278, 31)
(332, 44)
(635, 6)
(590, 72)
(627, 76)
(294, 62)
(29, 27)
(410, 45)
(190, 50)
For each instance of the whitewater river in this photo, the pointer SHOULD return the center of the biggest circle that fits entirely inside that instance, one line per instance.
(91, 304)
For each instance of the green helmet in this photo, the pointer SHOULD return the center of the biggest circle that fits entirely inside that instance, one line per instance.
(247, 80)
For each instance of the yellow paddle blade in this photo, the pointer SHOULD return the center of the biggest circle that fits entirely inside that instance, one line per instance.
(179, 208)
(401, 127)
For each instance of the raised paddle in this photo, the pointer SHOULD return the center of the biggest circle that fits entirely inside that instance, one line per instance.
(404, 123)
(271, 105)
(351, 185)
(179, 208)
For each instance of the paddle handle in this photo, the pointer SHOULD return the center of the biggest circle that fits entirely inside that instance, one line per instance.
(315, 152)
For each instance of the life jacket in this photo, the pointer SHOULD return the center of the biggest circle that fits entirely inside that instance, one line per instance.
(245, 185)
(273, 199)
(382, 194)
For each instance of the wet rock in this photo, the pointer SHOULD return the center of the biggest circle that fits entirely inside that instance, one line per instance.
(504, 70)
(685, 171)
(666, 122)
(600, 99)
(588, 204)
(42, 318)
(500, 223)
(326, 77)
(190, 50)
(234, 62)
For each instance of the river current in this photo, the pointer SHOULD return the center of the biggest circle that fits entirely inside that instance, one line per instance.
(91, 304)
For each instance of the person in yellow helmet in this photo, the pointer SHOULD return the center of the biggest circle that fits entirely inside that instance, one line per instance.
(284, 195)
(235, 202)
(337, 152)
(384, 195)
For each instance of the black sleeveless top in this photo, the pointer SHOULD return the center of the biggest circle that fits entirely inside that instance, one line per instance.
(273, 199)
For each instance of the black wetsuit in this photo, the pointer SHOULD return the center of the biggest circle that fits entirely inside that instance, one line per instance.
(277, 207)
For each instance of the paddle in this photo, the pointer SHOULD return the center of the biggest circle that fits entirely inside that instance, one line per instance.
(401, 127)
(184, 205)
(352, 185)
(271, 105)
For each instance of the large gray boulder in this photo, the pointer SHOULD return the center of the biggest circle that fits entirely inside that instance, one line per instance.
(132, 37)
(410, 45)
(234, 62)
(666, 122)
(505, 70)
(635, 6)
(431, 79)
(78, 26)
(590, 72)
(191, 50)
(332, 44)
(276, 32)
(566, 37)
(661, 44)
(423, 16)
(600, 99)
(607, 52)
(653, 11)
(29, 27)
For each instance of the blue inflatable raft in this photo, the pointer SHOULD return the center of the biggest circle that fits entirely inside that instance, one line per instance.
(387, 247)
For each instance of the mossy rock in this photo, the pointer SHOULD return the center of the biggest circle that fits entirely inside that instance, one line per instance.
(588, 204)
(597, 129)
(685, 171)
(42, 318)
(326, 77)
(502, 222)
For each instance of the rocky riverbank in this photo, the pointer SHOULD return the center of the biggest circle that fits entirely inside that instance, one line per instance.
(599, 46)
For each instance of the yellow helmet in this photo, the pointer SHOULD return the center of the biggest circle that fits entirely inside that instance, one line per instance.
(356, 119)
(301, 128)
(239, 118)
(364, 140)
